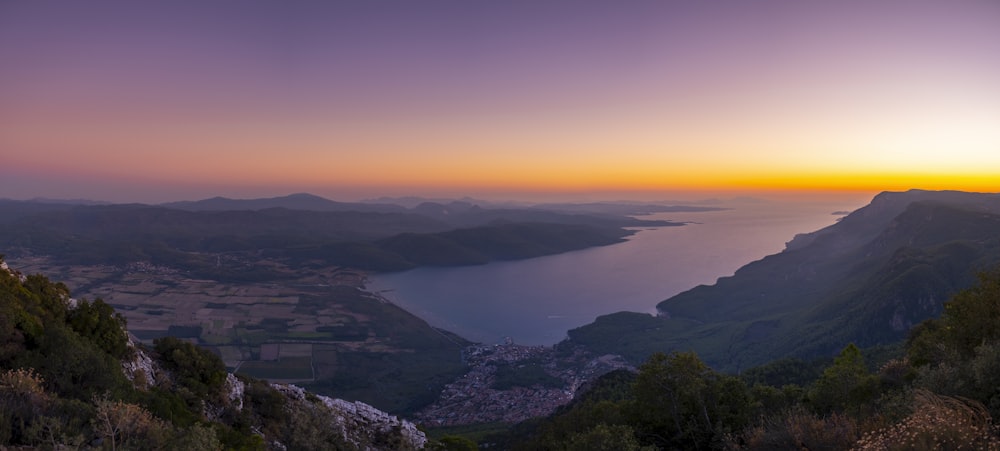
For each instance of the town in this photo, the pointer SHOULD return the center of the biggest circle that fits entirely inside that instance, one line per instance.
(475, 397)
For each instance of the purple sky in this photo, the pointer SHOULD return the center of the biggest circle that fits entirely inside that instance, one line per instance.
(152, 101)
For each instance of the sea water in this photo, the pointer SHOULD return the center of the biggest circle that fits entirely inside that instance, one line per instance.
(536, 301)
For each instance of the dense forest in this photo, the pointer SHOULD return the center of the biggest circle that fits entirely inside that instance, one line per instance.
(940, 392)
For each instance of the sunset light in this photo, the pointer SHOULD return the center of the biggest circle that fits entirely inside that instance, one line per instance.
(499, 224)
(110, 99)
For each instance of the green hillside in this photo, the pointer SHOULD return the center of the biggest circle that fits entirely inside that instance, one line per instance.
(867, 279)
(938, 392)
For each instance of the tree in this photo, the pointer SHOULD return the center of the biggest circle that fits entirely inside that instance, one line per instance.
(73, 367)
(99, 323)
(926, 343)
(972, 317)
(123, 424)
(20, 325)
(50, 298)
(679, 402)
(959, 354)
(846, 384)
(197, 370)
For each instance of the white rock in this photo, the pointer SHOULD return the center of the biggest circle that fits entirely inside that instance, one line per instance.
(360, 422)
(235, 387)
(140, 361)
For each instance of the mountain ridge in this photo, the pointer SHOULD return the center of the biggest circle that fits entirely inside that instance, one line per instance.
(193, 239)
(294, 201)
(866, 279)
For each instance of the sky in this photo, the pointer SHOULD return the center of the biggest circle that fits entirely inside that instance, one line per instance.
(144, 101)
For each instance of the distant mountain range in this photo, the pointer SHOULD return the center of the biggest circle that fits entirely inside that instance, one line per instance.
(866, 279)
(312, 202)
(432, 207)
(298, 201)
(302, 229)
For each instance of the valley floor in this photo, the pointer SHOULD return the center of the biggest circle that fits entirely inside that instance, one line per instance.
(320, 328)
(317, 326)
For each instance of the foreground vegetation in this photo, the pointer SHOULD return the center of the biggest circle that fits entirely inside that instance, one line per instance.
(63, 386)
(941, 392)
(318, 328)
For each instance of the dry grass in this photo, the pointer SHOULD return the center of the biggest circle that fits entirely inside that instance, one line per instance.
(937, 422)
(23, 382)
(800, 429)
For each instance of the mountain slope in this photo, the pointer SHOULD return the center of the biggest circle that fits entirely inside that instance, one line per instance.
(71, 377)
(866, 279)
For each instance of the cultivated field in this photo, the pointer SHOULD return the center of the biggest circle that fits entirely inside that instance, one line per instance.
(296, 330)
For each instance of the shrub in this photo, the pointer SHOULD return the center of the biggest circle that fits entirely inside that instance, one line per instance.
(800, 429)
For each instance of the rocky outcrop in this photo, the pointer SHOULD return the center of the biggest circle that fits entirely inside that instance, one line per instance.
(360, 423)
(140, 368)
(4, 267)
(234, 390)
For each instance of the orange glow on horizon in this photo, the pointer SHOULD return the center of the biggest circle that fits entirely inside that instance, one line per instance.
(497, 175)
(671, 96)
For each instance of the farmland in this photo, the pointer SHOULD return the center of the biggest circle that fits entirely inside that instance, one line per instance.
(316, 327)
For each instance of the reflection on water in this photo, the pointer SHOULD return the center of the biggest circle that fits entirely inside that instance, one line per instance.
(536, 301)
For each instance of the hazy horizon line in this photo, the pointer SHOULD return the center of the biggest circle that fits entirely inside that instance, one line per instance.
(663, 197)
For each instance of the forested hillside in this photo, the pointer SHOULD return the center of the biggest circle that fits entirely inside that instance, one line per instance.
(941, 392)
(866, 279)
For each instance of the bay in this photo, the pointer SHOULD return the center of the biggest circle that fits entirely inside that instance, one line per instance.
(536, 301)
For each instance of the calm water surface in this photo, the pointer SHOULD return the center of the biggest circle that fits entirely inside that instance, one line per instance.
(536, 301)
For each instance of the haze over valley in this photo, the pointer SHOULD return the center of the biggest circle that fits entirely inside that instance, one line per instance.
(527, 225)
(315, 298)
(278, 287)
